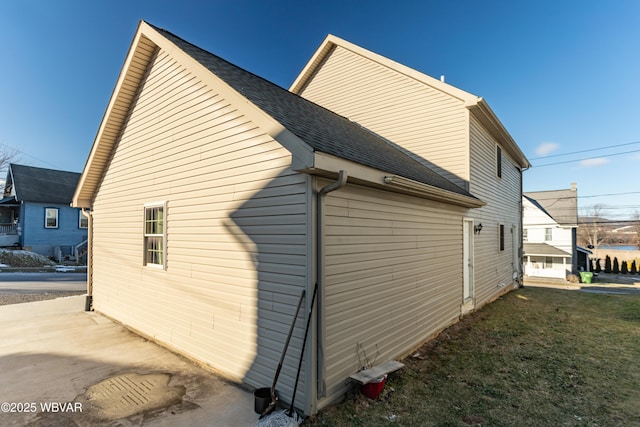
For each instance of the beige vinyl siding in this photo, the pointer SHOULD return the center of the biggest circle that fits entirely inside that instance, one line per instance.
(236, 224)
(493, 268)
(427, 122)
(392, 276)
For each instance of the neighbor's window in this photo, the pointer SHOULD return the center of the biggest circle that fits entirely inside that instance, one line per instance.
(51, 218)
(501, 237)
(155, 235)
(525, 235)
(83, 221)
(548, 234)
(499, 162)
(548, 262)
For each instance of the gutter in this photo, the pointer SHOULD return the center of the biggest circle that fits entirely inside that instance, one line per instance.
(88, 304)
(321, 368)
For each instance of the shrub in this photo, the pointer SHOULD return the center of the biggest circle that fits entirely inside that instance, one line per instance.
(607, 264)
(624, 268)
(598, 267)
(616, 266)
(634, 268)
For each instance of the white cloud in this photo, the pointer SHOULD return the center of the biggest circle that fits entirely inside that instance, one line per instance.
(590, 163)
(546, 148)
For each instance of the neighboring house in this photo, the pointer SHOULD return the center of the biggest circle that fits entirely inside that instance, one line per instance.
(448, 130)
(216, 198)
(550, 221)
(35, 213)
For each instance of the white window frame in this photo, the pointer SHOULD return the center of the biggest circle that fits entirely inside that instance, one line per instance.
(151, 236)
(548, 234)
(46, 218)
(525, 235)
(501, 237)
(81, 217)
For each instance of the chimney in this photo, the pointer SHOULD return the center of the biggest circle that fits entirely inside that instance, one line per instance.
(574, 186)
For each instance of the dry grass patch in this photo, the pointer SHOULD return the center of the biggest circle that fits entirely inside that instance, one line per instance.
(535, 357)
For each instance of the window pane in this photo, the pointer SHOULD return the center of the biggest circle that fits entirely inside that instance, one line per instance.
(154, 221)
(154, 235)
(51, 218)
(155, 253)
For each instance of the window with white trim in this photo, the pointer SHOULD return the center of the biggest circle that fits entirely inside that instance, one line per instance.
(501, 236)
(83, 221)
(155, 235)
(51, 218)
(499, 162)
(548, 234)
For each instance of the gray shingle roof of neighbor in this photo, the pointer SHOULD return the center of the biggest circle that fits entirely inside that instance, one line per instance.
(41, 185)
(322, 129)
(561, 205)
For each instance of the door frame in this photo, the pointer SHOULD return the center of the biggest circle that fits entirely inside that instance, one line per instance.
(468, 263)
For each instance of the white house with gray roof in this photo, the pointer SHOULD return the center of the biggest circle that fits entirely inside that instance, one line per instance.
(218, 198)
(550, 221)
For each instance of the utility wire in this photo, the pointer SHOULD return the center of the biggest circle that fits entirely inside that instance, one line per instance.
(586, 151)
(586, 158)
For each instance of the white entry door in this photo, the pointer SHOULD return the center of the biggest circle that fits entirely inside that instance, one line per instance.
(467, 268)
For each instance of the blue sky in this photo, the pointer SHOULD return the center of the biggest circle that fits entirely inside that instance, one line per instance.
(562, 76)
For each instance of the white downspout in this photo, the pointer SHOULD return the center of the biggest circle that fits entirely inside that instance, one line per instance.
(321, 368)
(88, 304)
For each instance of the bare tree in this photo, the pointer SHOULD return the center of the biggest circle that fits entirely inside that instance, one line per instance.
(636, 228)
(7, 155)
(590, 230)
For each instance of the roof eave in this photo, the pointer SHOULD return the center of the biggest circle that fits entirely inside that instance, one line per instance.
(488, 118)
(147, 36)
(331, 41)
(328, 165)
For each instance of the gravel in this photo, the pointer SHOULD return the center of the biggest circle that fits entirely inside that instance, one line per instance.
(6, 299)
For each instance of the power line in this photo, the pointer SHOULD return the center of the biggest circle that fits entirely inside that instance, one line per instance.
(586, 158)
(586, 151)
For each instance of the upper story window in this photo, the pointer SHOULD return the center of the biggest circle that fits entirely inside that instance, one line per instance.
(548, 234)
(501, 236)
(499, 162)
(525, 235)
(155, 235)
(51, 218)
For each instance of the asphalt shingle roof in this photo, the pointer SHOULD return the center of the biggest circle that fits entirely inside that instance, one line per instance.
(43, 185)
(322, 129)
(561, 205)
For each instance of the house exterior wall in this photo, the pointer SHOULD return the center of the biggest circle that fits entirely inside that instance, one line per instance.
(42, 240)
(236, 231)
(494, 268)
(537, 225)
(396, 107)
(393, 277)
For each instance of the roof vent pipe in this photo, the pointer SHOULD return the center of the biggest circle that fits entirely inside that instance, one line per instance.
(442, 78)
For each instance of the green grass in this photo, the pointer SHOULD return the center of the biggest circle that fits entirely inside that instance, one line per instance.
(541, 357)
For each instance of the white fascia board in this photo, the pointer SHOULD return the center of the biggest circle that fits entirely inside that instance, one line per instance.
(328, 165)
(331, 41)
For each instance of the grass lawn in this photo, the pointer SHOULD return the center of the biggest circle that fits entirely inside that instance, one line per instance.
(535, 357)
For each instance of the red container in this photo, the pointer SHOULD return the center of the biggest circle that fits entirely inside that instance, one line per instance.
(373, 389)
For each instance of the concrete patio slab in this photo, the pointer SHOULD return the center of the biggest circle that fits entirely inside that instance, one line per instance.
(59, 365)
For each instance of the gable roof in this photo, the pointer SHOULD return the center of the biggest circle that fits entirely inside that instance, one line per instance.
(476, 105)
(561, 205)
(300, 125)
(41, 185)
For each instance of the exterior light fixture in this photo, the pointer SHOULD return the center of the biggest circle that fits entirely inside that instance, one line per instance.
(477, 228)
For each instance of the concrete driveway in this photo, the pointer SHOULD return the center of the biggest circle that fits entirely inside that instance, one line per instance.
(61, 366)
